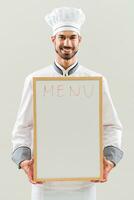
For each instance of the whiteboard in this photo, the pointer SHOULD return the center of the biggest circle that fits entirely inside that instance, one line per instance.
(67, 128)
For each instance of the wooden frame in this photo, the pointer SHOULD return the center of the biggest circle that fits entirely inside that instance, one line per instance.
(56, 100)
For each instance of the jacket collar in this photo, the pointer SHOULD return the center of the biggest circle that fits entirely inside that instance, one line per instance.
(68, 71)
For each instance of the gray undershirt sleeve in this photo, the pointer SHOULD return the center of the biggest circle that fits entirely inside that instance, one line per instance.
(113, 154)
(20, 154)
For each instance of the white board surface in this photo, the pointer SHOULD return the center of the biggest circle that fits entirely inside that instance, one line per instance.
(67, 128)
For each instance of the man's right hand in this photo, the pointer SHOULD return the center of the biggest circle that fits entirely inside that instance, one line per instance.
(27, 166)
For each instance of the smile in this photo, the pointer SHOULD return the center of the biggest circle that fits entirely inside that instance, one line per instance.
(66, 50)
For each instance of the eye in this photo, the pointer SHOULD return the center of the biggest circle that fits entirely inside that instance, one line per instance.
(61, 37)
(73, 37)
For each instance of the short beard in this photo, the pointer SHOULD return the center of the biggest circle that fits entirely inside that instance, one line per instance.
(66, 57)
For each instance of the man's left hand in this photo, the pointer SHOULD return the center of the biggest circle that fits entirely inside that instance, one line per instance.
(107, 167)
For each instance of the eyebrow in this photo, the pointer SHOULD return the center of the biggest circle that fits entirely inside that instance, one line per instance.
(65, 35)
(74, 35)
(60, 35)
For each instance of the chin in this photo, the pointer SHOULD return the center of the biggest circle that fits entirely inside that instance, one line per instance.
(67, 57)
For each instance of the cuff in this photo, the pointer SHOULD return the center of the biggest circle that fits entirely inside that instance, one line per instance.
(20, 154)
(113, 154)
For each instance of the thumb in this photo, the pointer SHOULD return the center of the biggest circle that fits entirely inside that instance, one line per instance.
(30, 162)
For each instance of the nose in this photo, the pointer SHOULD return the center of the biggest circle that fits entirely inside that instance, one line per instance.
(67, 42)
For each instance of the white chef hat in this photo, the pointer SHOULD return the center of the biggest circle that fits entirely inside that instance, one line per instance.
(65, 18)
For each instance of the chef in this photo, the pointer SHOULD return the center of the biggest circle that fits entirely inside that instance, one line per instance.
(66, 38)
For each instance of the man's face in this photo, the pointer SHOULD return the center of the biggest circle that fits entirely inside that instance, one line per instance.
(66, 44)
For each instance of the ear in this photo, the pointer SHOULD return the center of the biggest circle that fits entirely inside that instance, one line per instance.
(53, 38)
(80, 38)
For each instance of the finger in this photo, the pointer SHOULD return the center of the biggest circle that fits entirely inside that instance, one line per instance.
(30, 177)
(28, 169)
(39, 182)
(106, 171)
(36, 182)
(103, 180)
(33, 182)
(107, 168)
(105, 175)
(95, 181)
(99, 181)
(108, 163)
(30, 163)
(29, 172)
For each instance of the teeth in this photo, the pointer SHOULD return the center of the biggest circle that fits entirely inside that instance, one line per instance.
(66, 49)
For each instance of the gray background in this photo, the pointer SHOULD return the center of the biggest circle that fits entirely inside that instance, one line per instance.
(106, 48)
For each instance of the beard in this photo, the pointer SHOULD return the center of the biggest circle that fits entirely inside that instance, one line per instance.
(66, 55)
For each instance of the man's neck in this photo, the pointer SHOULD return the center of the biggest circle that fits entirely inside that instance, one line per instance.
(66, 63)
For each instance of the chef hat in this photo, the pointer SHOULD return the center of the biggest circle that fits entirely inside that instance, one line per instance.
(65, 18)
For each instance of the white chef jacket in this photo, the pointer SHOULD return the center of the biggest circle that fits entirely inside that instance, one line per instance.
(22, 139)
